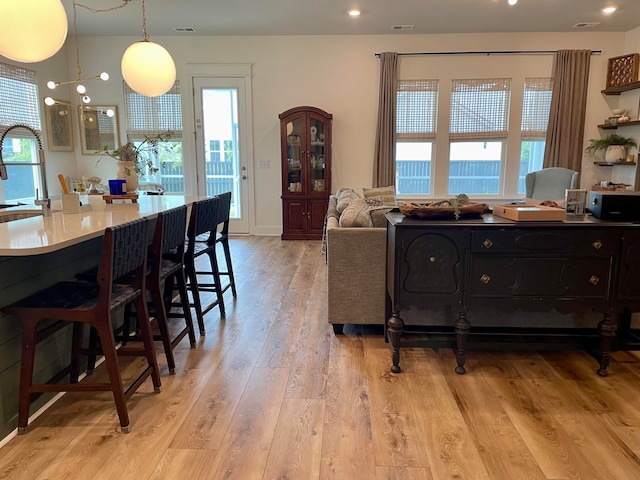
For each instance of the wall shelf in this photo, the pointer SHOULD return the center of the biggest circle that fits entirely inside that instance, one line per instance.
(609, 126)
(619, 90)
(611, 164)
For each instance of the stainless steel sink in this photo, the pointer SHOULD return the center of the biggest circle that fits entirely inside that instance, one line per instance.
(11, 215)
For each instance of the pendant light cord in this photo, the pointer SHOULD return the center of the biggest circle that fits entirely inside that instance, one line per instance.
(145, 35)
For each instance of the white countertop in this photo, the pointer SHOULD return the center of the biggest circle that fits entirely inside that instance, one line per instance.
(38, 235)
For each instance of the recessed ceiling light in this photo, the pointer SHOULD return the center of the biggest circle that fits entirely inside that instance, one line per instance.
(512, 2)
(609, 10)
(354, 13)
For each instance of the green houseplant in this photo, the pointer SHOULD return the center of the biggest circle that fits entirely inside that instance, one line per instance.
(614, 146)
(137, 159)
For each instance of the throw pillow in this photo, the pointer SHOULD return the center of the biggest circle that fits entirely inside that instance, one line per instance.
(356, 215)
(388, 194)
(378, 218)
(374, 201)
(345, 197)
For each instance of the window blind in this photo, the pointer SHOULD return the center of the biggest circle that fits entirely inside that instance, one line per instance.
(416, 109)
(479, 108)
(153, 115)
(536, 104)
(19, 99)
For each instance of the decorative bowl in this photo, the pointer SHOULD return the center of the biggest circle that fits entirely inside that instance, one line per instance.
(424, 211)
(618, 111)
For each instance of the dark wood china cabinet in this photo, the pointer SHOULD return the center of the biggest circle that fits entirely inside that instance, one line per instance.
(305, 138)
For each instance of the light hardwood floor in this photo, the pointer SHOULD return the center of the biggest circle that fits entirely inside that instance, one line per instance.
(271, 393)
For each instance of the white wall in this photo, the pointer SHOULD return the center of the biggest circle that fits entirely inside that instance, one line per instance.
(336, 73)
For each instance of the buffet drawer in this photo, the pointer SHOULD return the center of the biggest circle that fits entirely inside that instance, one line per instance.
(592, 242)
(575, 277)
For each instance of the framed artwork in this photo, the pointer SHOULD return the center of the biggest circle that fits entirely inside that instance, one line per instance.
(98, 127)
(58, 122)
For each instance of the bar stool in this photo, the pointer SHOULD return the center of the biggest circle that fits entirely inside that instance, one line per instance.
(123, 253)
(201, 240)
(222, 237)
(165, 271)
(167, 267)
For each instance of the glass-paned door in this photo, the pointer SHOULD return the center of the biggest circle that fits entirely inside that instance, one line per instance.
(316, 156)
(294, 155)
(220, 144)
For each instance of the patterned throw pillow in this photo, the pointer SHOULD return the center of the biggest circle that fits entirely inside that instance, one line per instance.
(374, 201)
(388, 194)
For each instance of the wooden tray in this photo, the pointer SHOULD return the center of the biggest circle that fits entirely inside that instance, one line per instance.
(425, 212)
(529, 213)
(128, 196)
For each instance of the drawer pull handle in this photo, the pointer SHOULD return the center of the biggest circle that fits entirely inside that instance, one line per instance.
(432, 259)
(488, 243)
(485, 278)
(597, 244)
(594, 280)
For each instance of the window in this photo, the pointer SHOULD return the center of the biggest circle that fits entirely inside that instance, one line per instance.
(19, 105)
(488, 147)
(416, 116)
(478, 129)
(536, 105)
(149, 116)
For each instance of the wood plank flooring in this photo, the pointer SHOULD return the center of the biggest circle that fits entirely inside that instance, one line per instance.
(271, 393)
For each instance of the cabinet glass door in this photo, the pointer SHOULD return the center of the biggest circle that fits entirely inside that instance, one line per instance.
(316, 155)
(294, 155)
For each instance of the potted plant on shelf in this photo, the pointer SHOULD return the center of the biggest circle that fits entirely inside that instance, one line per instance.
(614, 146)
(137, 160)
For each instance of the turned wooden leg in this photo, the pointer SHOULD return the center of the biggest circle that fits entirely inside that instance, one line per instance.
(462, 327)
(607, 327)
(395, 326)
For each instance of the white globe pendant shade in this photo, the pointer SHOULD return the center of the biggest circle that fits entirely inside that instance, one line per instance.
(32, 30)
(148, 68)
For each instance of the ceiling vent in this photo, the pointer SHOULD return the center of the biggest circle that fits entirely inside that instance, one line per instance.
(185, 29)
(402, 27)
(586, 25)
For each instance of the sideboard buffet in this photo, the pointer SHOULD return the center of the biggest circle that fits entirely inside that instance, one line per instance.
(583, 264)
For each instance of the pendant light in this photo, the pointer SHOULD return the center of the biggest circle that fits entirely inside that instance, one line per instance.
(32, 30)
(148, 67)
(79, 81)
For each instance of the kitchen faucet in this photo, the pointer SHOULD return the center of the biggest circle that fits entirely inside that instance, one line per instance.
(45, 201)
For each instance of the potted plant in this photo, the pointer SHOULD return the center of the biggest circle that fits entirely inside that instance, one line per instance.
(614, 146)
(137, 160)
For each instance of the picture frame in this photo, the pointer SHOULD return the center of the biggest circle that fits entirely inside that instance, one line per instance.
(97, 128)
(58, 123)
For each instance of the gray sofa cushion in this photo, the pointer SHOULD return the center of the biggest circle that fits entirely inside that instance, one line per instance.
(356, 214)
(345, 195)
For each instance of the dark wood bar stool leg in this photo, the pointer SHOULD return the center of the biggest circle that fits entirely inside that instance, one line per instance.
(217, 283)
(222, 237)
(26, 372)
(105, 334)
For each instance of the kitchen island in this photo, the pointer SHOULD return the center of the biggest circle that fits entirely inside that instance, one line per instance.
(39, 251)
(38, 235)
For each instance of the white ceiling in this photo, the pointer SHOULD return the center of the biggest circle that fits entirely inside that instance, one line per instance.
(329, 17)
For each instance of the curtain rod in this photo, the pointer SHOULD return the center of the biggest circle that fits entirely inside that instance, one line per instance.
(491, 52)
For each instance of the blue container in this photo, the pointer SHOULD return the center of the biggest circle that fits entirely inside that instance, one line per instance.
(117, 187)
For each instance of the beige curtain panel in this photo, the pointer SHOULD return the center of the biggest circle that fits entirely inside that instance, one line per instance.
(384, 160)
(565, 134)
